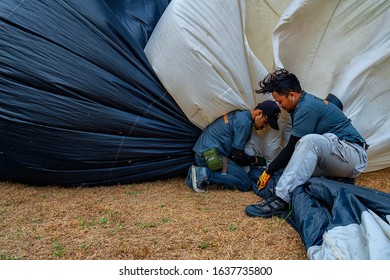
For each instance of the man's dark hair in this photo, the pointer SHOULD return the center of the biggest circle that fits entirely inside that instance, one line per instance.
(281, 81)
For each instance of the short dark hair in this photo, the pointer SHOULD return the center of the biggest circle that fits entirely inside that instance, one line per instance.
(281, 81)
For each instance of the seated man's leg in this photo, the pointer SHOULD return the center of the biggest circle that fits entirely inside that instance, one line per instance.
(346, 161)
(312, 152)
(317, 155)
(234, 178)
(302, 164)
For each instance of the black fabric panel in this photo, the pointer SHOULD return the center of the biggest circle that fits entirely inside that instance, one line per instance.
(139, 16)
(79, 102)
(322, 204)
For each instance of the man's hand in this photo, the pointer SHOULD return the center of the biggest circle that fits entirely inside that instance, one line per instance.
(260, 161)
(263, 180)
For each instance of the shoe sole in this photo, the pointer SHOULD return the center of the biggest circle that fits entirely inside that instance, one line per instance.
(277, 213)
(193, 178)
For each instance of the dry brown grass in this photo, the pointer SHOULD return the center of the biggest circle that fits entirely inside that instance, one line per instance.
(154, 220)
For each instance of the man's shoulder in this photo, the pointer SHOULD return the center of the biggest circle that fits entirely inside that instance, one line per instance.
(311, 102)
(241, 116)
(239, 111)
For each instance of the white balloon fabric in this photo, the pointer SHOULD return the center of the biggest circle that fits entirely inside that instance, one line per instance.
(343, 48)
(203, 57)
(261, 18)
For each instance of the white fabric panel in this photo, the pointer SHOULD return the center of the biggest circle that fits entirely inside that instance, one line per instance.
(343, 47)
(368, 241)
(202, 57)
(262, 17)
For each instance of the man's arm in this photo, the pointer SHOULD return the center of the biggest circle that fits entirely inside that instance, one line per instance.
(241, 158)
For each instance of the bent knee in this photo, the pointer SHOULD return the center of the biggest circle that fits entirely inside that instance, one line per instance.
(245, 184)
(312, 140)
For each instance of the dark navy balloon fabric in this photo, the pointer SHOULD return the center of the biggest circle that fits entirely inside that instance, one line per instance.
(79, 102)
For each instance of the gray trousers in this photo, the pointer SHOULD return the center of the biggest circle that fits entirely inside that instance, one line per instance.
(320, 155)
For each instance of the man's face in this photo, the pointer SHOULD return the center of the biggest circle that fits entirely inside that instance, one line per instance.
(261, 121)
(284, 102)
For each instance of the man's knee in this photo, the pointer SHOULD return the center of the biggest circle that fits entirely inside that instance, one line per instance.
(244, 184)
(310, 140)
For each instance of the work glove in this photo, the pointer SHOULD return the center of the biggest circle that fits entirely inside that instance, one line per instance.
(263, 180)
(260, 161)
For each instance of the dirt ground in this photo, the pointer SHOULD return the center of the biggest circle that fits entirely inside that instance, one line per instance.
(150, 221)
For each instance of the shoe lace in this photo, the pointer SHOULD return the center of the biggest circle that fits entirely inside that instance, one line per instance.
(268, 200)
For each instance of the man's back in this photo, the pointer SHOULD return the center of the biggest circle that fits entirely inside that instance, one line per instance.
(231, 130)
(316, 115)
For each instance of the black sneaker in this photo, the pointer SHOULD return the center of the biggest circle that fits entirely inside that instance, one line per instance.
(273, 206)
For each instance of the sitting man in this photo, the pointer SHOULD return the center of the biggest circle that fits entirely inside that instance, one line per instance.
(323, 142)
(220, 150)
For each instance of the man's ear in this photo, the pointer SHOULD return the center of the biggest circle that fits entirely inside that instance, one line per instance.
(292, 94)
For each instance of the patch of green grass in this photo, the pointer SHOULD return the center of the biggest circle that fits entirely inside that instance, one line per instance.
(147, 225)
(20, 231)
(8, 203)
(109, 219)
(152, 224)
(5, 258)
(129, 191)
(203, 246)
(58, 249)
(84, 223)
(103, 221)
(281, 220)
(119, 225)
(85, 246)
(233, 227)
(300, 255)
